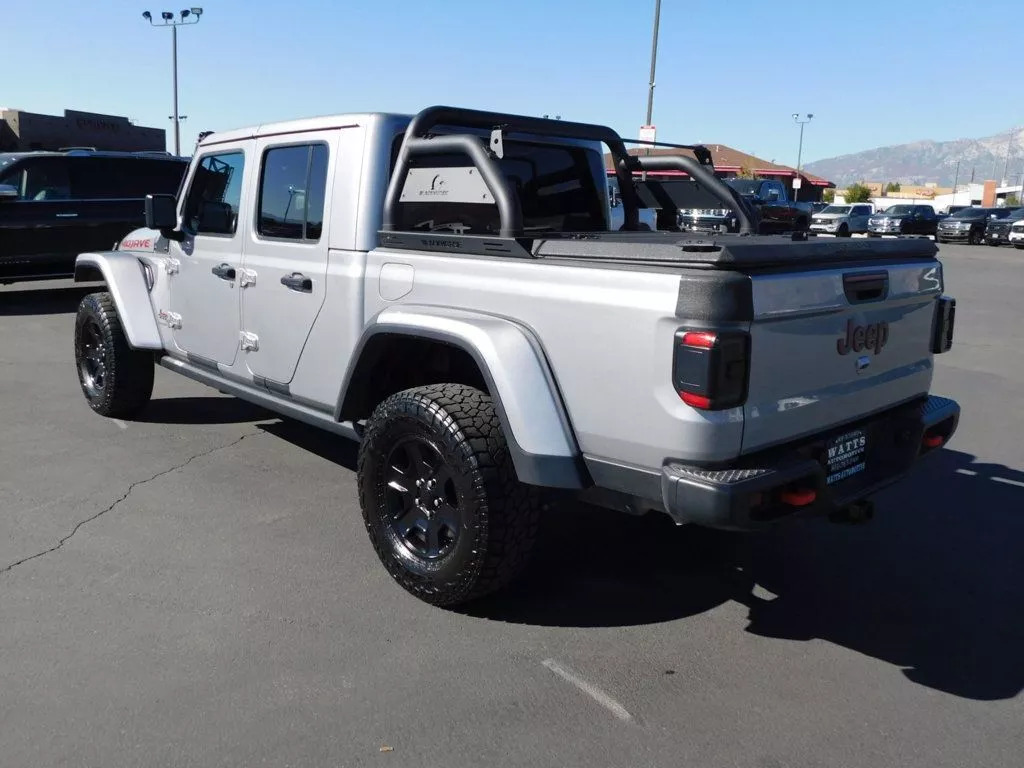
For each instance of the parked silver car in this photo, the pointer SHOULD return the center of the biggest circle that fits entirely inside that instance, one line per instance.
(842, 220)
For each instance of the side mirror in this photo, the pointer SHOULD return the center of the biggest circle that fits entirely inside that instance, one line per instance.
(162, 214)
(8, 192)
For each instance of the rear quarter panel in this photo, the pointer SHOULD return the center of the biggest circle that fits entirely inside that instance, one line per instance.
(607, 334)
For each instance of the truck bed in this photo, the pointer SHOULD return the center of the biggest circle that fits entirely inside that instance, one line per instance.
(732, 252)
(720, 251)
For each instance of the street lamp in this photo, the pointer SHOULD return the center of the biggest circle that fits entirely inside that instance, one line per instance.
(168, 19)
(802, 121)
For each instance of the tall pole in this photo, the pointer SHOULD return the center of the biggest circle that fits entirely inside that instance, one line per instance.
(172, 20)
(1006, 165)
(654, 60)
(800, 150)
(956, 178)
(177, 121)
(799, 158)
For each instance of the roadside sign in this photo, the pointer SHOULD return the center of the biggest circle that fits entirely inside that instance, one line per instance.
(647, 133)
(797, 181)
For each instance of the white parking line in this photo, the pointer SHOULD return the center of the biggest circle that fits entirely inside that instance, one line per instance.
(1007, 481)
(120, 423)
(591, 690)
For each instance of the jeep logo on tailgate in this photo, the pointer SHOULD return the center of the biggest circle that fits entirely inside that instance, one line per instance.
(871, 337)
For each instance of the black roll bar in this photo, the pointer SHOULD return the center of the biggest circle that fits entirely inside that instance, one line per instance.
(418, 140)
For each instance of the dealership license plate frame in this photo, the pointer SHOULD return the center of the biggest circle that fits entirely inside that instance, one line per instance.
(846, 456)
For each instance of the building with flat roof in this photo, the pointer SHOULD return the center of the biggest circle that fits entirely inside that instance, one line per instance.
(22, 131)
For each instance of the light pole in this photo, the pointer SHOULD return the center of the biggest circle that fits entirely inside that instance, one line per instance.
(168, 19)
(654, 61)
(800, 150)
(1006, 165)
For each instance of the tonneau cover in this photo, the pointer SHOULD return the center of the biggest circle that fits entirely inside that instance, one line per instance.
(728, 251)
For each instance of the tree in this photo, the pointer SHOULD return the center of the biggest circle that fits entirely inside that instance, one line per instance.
(745, 173)
(829, 196)
(892, 186)
(1012, 200)
(857, 193)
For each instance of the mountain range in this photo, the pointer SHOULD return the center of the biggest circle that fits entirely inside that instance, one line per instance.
(921, 162)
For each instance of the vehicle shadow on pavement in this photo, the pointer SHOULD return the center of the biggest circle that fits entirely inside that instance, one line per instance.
(201, 410)
(935, 584)
(326, 445)
(44, 301)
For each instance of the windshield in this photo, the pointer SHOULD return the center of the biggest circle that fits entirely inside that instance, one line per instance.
(837, 209)
(970, 213)
(745, 186)
(899, 210)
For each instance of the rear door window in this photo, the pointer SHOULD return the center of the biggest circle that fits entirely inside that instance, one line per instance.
(41, 178)
(111, 178)
(293, 183)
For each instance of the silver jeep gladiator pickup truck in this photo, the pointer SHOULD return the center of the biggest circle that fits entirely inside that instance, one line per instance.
(446, 289)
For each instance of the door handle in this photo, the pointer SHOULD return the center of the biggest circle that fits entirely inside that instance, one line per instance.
(224, 271)
(297, 281)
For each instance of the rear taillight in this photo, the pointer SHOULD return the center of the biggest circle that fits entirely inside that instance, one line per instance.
(710, 368)
(942, 329)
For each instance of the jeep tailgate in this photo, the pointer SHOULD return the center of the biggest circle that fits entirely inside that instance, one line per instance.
(835, 345)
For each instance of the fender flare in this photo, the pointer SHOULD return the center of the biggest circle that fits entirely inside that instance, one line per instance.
(123, 273)
(540, 437)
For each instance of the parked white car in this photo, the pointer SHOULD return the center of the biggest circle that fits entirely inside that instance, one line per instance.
(842, 220)
(1016, 236)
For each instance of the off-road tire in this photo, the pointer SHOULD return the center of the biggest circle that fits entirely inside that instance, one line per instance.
(498, 516)
(117, 381)
(843, 231)
(974, 237)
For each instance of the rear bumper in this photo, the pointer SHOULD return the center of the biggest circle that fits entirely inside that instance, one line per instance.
(747, 496)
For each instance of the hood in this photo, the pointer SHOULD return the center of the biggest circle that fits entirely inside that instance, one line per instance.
(879, 216)
(142, 240)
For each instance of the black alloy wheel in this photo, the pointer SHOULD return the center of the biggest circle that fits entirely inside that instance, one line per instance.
(422, 502)
(441, 502)
(117, 381)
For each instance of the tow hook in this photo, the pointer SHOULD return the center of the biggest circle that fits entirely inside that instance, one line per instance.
(858, 513)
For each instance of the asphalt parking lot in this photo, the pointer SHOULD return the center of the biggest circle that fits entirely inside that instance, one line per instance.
(195, 588)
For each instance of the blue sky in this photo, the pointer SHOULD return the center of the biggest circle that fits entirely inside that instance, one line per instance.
(872, 72)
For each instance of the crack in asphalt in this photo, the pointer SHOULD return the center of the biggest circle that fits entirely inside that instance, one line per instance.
(127, 493)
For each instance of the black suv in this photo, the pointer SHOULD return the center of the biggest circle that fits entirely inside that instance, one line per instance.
(55, 205)
(997, 230)
(968, 225)
(903, 220)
